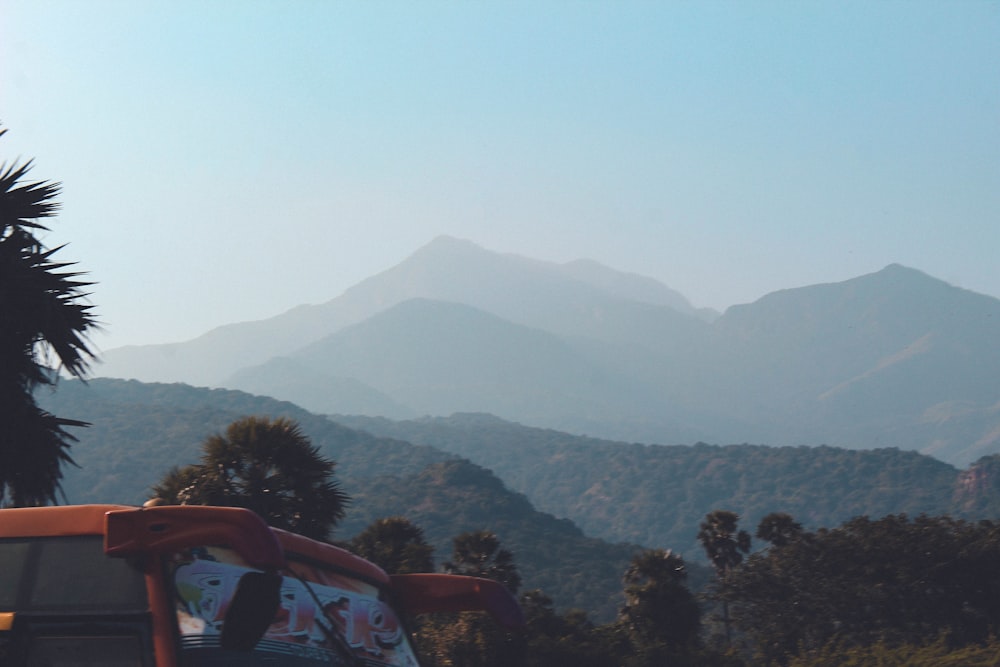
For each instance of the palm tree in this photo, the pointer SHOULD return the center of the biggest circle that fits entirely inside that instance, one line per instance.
(468, 639)
(779, 528)
(268, 466)
(43, 323)
(724, 545)
(722, 540)
(396, 545)
(658, 605)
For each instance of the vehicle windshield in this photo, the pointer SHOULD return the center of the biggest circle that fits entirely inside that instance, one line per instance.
(324, 617)
(62, 574)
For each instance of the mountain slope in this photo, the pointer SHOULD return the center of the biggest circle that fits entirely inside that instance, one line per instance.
(436, 357)
(862, 363)
(304, 384)
(583, 299)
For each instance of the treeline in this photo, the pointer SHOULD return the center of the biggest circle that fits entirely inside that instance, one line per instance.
(868, 584)
(888, 591)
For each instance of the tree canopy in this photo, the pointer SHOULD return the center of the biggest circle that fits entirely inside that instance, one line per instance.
(470, 639)
(479, 554)
(396, 545)
(895, 580)
(268, 466)
(44, 324)
(658, 606)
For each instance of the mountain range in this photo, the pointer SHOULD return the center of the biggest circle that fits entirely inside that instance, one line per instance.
(896, 358)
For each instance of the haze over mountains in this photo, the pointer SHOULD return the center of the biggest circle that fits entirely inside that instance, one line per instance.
(894, 358)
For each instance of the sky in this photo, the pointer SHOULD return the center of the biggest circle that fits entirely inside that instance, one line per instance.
(225, 161)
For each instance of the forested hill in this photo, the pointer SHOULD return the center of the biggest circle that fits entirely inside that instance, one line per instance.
(552, 554)
(656, 495)
(139, 431)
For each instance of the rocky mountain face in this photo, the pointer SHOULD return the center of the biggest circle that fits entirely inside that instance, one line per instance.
(895, 358)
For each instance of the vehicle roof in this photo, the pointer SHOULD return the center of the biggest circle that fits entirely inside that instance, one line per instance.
(56, 520)
(69, 520)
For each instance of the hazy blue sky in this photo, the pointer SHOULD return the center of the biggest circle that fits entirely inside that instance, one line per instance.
(225, 161)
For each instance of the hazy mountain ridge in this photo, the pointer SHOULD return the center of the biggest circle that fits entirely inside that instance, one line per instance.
(474, 361)
(894, 358)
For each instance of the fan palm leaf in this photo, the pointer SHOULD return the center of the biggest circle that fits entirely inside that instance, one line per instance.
(43, 325)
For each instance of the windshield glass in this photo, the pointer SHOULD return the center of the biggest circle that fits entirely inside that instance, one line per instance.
(324, 618)
(67, 574)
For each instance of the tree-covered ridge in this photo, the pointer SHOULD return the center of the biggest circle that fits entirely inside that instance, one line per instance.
(649, 495)
(655, 495)
(457, 496)
(141, 431)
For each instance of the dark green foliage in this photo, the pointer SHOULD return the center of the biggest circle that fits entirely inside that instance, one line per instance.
(895, 579)
(659, 609)
(396, 545)
(471, 639)
(724, 544)
(268, 466)
(478, 554)
(570, 639)
(723, 541)
(43, 322)
(779, 529)
(933, 654)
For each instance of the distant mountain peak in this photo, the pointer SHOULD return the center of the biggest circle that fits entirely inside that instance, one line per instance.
(899, 270)
(465, 263)
(445, 244)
